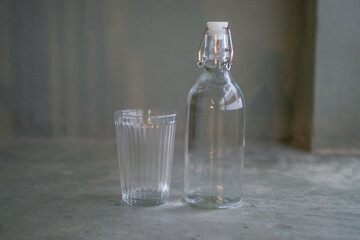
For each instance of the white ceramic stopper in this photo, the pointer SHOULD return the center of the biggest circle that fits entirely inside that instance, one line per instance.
(217, 26)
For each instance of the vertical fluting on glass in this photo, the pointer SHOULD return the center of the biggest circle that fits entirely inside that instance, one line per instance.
(145, 142)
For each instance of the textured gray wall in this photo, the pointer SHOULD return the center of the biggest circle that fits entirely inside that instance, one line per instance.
(336, 120)
(66, 66)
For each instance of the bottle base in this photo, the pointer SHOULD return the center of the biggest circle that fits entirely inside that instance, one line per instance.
(211, 202)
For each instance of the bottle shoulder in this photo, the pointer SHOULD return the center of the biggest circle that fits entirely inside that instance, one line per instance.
(222, 93)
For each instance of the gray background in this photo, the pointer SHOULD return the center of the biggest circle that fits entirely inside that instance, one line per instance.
(336, 119)
(66, 66)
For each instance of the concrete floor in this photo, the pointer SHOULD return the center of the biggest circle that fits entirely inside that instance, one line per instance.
(69, 189)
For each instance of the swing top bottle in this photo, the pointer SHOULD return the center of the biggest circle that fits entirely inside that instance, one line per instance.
(215, 126)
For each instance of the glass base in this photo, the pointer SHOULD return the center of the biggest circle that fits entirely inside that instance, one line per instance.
(203, 201)
(144, 198)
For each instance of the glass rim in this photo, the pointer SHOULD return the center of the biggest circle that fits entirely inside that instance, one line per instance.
(153, 113)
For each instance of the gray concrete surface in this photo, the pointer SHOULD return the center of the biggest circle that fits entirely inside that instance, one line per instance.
(69, 189)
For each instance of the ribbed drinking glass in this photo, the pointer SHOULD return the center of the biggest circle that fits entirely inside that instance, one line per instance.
(145, 142)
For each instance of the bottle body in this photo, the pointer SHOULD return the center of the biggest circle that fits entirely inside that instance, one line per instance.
(214, 140)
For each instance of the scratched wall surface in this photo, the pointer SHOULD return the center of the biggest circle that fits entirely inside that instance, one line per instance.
(66, 66)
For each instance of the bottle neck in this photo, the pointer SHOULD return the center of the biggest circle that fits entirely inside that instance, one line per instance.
(215, 50)
(216, 71)
(215, 65)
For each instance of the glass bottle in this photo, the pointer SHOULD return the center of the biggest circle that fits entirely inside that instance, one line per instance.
(215, 126)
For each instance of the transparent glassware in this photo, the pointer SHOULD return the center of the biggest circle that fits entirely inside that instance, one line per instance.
(215, 129)
(145, 142)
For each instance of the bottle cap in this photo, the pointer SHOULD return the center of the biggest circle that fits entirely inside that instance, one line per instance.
(217, 26)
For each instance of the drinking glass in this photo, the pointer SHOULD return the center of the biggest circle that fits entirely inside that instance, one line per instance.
(145, 143)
